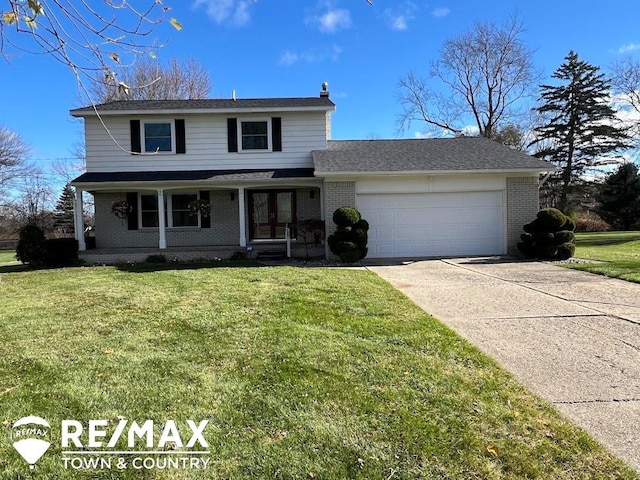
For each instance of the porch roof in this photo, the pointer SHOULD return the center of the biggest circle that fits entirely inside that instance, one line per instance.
(193, 175)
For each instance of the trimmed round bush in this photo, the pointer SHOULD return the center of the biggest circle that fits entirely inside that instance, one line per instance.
(549, 236)
(564, 236)
(544, 238)
(551, 219)
(526, 237)
(527, 249)
(344, 247)
(346, 217)
(362, 225)
(350, 256)
(349, 242)
(566, 251)
(569, 225)
(359, 236)
(531, 227)
(546, 251)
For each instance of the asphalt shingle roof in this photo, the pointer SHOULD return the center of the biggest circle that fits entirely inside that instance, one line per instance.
(189, 175)
(422, 155)
(207, 104)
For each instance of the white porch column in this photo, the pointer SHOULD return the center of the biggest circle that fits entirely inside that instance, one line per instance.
(242, 215)
(78, 220)
(162, 227)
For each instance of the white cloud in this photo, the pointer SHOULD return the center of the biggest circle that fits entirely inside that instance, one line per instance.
(629, 47)
(399, 17)
(289, 57)
(440, 12)
(332, 20)
(228, 12)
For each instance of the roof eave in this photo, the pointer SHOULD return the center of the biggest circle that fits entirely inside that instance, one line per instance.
(190, 111)
(319, 173)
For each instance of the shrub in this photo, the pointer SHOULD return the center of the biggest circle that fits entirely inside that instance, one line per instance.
(31, 248)
(591, 222)
(551, 219)
(566, 251)
(346, 217)
(156, 258)
(61, 251)
(238, 256)
(564, 236)
(549, 236)
(349, 242)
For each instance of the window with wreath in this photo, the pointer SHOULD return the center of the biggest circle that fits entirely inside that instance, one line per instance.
(182, 212)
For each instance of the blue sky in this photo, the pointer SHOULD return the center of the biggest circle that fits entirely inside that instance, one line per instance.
(277, 48)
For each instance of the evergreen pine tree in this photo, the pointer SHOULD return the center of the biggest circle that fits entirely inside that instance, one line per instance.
(619, 198)
(63, 215)
(581, 129)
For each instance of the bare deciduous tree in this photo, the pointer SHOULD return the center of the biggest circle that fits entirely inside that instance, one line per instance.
(147, 79)
(13, 157)
(625, 83)
(482, 76)
(89, 38)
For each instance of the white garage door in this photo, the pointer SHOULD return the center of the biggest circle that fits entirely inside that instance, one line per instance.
(433, 224)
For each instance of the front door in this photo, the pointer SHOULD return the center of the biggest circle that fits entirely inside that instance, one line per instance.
(270, 212)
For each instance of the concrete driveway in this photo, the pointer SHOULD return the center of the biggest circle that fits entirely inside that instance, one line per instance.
(571, 337)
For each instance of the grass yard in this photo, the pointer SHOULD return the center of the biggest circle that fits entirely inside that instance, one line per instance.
(303, 374)
(619, 253)
(7, 256)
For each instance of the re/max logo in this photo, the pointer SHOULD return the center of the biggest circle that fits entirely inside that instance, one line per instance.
(97, 432)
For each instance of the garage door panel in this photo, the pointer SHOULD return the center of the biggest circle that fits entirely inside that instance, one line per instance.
(434, 224)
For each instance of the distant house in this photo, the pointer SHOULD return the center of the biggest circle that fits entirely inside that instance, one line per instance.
(202, 178)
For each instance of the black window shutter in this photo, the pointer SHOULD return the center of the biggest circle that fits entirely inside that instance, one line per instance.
(276, 134)
(136, 147)
(132, 218)
(232, 134)
(205, 222)
(181, 142)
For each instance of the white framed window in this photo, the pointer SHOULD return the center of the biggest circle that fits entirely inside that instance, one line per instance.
(179, 213)
(254, 135)
(158, 136)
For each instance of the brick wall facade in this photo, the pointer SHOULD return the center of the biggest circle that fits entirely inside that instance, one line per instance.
(336, 195)
(522, 207)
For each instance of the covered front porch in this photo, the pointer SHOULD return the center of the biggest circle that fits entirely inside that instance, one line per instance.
(201, 219)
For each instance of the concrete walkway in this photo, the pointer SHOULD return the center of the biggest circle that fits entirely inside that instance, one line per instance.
(571, 337)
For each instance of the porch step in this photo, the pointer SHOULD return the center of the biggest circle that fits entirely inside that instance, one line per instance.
(272, 254)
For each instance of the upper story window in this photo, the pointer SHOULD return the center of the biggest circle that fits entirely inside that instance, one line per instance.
(255, 135)
(158, 136)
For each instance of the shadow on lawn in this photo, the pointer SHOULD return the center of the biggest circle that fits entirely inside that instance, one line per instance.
(162, 267)
(612, 238)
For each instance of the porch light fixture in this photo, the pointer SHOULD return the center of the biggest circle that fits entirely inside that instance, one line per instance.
(232, 196)
(312, 194)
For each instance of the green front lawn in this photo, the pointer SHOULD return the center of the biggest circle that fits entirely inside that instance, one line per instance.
(7, 256)
(303, 373)
(618, 252)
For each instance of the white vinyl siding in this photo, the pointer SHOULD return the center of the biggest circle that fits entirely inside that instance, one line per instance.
(206, 140)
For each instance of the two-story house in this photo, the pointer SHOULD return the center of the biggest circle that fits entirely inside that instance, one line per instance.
(261, 166)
